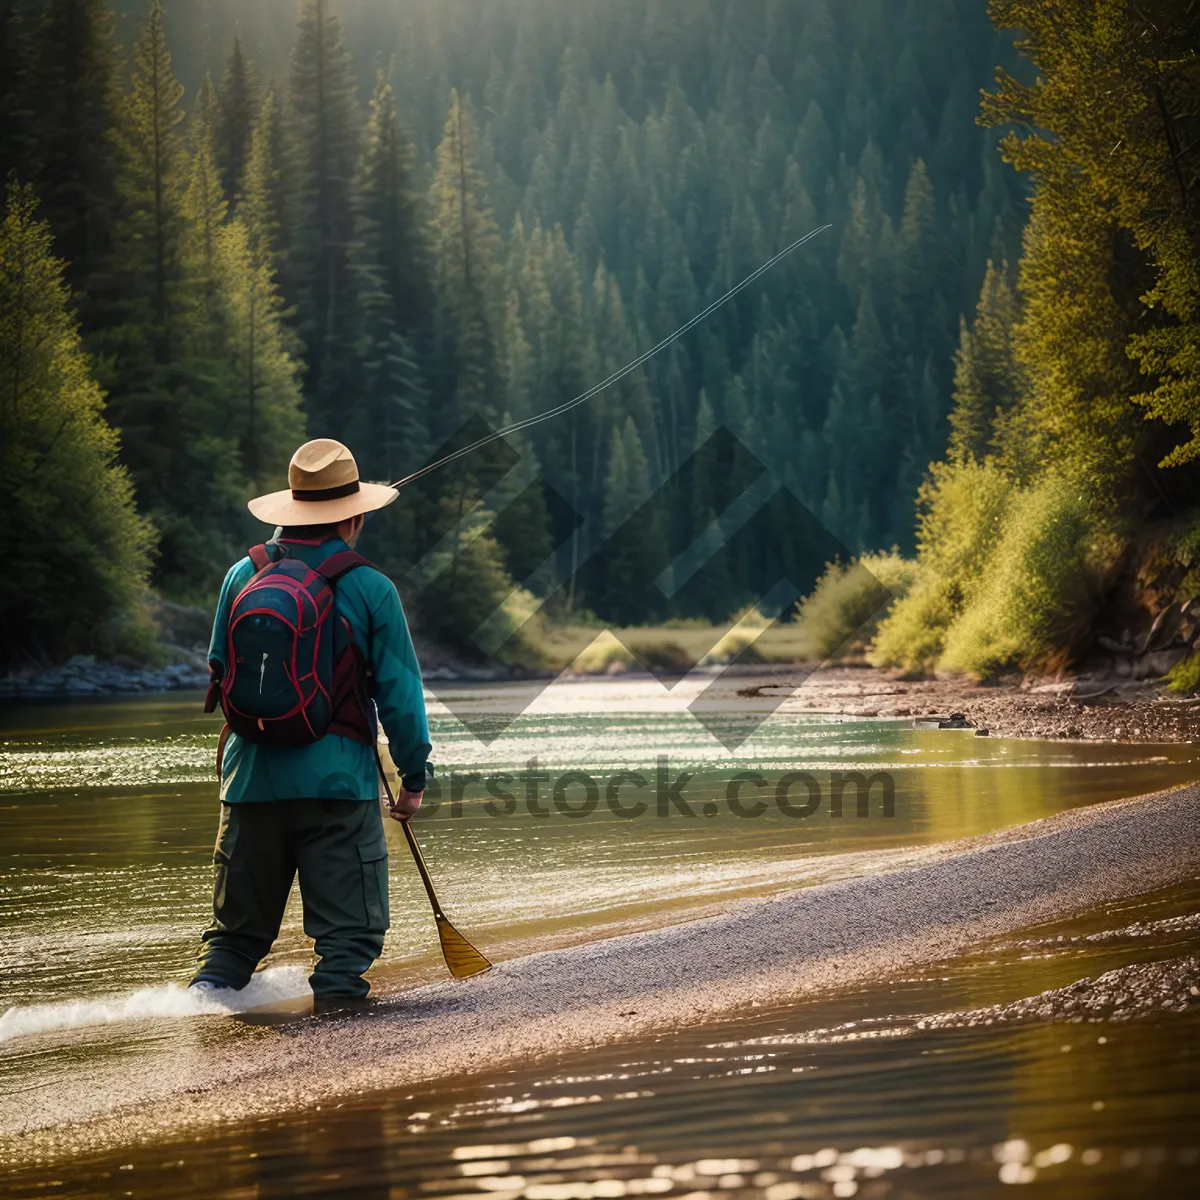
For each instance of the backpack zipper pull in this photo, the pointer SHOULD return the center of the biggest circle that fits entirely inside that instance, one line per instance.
(262, 672)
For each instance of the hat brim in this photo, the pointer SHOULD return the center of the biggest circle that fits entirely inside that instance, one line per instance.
(282, 508)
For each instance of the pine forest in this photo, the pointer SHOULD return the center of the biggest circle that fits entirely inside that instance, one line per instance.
(404, 224)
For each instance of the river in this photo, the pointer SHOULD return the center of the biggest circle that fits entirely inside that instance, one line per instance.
(107, 815)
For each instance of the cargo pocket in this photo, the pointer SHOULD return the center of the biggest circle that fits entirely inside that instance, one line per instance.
(227, 832)
(373, 856)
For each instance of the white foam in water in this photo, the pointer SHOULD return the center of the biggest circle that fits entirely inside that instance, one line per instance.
(169, 1000)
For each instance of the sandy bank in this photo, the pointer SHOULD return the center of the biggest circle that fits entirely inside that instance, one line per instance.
(937, 902)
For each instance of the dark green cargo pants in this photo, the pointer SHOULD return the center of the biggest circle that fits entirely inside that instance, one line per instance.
(338, 849)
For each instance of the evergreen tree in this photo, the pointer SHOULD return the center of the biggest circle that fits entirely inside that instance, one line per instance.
(163, 368)
(522, 526)
(987, 378)
(260, 205)
(394, 238)
(466, 248)
(78, 104)
(236, 324)
(204, 209)
(153, 181)
(77, 552)
(1116, 227)
(705, 497)
(16, 111)
(635, 552)
(320, 275)
(237, 112)
(921, 321)
(264, 385)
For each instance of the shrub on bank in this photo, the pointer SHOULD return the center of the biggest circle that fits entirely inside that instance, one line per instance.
(962, 509)
(841, 615)
(601, 654)
(1184, 677)
(1037, 594)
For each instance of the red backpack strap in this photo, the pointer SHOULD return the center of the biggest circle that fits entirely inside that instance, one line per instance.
(260, 556)
(341, 563)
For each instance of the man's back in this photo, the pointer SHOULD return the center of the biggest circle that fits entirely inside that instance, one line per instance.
(334, 766)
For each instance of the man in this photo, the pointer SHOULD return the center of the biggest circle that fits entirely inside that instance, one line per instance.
(313, 809)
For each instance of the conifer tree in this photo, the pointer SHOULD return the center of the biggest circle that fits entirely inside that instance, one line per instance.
(260, 189)
(16, 100)
(704, 493)
(987, 378)
(78, 104)
(561, 350)
(237, 112)
(635, 551)
(71, 536)
(1115, 166)
(153, 181)
(264, 385)
(320, 276)
(522, 524)
(615, 346)
(466, 247)
(164, 371)
(920, 317)
(236, 323)
(394, 238)
(204, 210)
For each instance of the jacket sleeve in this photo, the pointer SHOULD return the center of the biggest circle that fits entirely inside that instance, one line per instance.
(399, 696)
(236, 578)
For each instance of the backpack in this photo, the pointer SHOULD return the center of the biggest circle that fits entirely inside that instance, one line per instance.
(293, 672)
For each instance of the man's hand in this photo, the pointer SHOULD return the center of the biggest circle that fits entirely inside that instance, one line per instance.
(405, 804)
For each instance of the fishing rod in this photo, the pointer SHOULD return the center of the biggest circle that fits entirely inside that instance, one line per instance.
(616, 376)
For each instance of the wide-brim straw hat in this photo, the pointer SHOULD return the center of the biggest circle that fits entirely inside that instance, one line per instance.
(323, 488)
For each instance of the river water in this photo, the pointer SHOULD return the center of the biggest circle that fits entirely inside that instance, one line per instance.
(107, 815)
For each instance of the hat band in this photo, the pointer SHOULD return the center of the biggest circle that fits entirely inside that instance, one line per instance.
(333, 493)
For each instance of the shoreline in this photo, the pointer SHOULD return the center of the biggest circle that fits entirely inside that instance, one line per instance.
(934, 903)
(1083, 708)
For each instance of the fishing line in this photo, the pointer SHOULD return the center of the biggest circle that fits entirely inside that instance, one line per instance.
(616, 376)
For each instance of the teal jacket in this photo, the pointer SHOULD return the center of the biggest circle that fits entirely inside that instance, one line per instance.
(335, 767)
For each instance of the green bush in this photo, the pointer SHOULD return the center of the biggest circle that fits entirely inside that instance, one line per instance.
(962, 508)
(843, 612)
(600, 655)
(662, 654)
(912, 634)
(1038, 592)
(1184, 677)
(738, 643)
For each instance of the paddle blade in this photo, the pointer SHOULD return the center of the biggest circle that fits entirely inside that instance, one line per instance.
(461, 957)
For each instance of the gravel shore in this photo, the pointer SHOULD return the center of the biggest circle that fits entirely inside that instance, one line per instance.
(933, 903)
(1084, 708)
